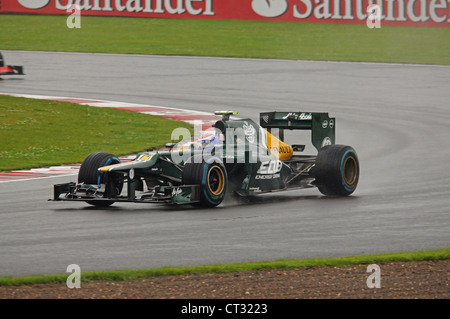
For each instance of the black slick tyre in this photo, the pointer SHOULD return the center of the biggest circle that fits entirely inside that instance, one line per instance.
(210, 173)
(89, 173)
(337, 170)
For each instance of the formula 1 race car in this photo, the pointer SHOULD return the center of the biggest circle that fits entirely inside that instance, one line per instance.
(9, 69)
(240, 157)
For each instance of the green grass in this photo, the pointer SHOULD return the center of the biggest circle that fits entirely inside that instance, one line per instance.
(228, 38)
(120, 275)
(39, 133)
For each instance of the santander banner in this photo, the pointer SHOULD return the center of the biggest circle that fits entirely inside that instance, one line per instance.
(434, 13)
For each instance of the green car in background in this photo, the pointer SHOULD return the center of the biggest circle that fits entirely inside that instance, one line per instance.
(239, 156)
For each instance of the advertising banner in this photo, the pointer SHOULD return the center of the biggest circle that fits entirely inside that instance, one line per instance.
(434, 13)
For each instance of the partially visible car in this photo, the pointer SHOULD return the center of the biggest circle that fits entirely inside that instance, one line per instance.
(9, 69)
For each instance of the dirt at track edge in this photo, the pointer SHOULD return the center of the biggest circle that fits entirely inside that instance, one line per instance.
(405, 280)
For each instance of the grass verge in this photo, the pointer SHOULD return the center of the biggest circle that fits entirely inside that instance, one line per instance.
(228, 38)
(121, 275)
(39, 133)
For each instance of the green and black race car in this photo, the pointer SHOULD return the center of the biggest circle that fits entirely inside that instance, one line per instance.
(240, 157)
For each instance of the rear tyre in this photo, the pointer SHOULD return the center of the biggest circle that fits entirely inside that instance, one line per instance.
(89, 173)
(211, 175)
(337, 170)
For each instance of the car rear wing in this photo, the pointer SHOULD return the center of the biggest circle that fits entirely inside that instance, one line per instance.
(9, 69)
(321, 125)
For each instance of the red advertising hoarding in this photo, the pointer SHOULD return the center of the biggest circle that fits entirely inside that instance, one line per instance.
(434, 13)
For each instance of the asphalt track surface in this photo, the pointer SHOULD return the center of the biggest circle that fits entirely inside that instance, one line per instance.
(396, 116)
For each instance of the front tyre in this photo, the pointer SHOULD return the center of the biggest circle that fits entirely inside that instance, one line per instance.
(210, 173)
(89, 173)
(337, 170)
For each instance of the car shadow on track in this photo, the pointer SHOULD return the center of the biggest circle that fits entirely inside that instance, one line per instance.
(277, 198)
(229, 203)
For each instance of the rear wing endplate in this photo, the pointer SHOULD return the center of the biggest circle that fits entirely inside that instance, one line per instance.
(321, 125)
